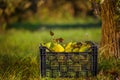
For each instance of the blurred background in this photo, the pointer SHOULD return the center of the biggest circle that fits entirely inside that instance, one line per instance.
(24, 24)
(38, 14)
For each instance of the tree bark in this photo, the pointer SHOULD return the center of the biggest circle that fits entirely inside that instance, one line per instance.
(110, 41)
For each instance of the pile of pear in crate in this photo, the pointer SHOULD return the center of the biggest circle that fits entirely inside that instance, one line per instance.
(69, 47)
(72, 59)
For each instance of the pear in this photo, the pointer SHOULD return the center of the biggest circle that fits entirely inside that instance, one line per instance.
(75, 50)
(69, 47)
(57, 47)
(48, 45)
(84, 48)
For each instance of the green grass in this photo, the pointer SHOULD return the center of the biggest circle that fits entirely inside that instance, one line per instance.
(19, 52)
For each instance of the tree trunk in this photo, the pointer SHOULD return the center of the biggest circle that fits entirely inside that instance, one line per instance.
(110, 41)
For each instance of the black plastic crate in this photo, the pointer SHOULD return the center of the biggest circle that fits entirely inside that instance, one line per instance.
(68, 64)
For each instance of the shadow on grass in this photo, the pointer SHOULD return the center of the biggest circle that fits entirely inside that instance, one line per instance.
(33, 27)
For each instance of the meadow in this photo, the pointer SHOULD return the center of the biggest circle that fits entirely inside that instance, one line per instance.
(19, 53)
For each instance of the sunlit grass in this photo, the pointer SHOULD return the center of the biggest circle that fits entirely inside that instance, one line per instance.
(19, 53)
(22, 42)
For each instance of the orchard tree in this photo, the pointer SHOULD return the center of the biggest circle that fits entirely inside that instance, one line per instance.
(17, 10)
(109, 11)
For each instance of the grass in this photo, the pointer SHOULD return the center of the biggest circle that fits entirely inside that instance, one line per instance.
(19, 53)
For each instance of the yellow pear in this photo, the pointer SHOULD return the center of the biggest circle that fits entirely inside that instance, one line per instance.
(84, 48)
(48, 44)
(57, 47)
(69, 47)
(75, 50)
